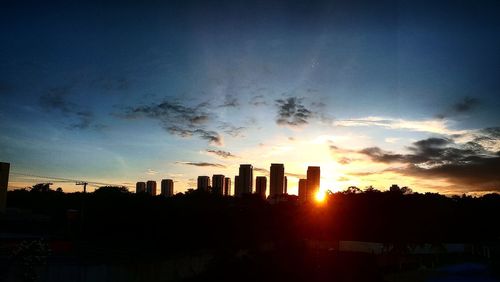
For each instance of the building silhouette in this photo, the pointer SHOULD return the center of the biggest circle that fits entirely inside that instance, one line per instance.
(151, 187)
(140, 187)
(313, 182)
(167, 187)
(227, 186)
(218, 184)
(237, 191)
(302, 190)
(203, 183)
(245, 182)
(260, 186)
(4, 183)
(285, 185)
(276, 181)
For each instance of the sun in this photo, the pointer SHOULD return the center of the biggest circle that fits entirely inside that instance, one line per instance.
(320, 197)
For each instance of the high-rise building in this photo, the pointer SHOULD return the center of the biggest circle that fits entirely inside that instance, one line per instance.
(203, 183)
(276, 181)
(167, 187)
(302, 190)
(260, 186)
(313, 182)
(140, 187)
(151, 187)
(246, 179)
(237, 187)
(4, 183)
(227, 186)
(218, 182)
(285, 185)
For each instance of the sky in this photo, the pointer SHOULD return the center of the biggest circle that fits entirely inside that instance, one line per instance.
(374, 92)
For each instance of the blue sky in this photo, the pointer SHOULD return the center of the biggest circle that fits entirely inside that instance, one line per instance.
(129, 91)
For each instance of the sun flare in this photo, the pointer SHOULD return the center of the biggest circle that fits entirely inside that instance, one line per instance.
(320, 197)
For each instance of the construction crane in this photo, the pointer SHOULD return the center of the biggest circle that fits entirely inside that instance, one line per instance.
(84, 185)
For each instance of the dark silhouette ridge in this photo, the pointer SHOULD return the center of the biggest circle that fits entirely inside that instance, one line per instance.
(249, 238)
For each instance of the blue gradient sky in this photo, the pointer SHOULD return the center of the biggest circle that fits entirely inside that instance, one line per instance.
(129, 91)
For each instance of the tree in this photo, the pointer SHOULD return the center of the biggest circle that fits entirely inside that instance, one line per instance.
(41, 187)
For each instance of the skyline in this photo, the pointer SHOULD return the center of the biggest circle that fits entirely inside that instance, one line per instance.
(374, 94)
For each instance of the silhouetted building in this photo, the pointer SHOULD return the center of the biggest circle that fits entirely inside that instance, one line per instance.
(140, 187)
(246, 179)
(4, 183)
(151, 187)
(237, 187)
(167, 187)
(260, 186)
(203, 183)
(313, 182)
(218, 182)
(285, 185)
(302, 190)
(276, 181)
(227, 186)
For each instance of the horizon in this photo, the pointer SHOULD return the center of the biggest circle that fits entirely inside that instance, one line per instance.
(374, 94)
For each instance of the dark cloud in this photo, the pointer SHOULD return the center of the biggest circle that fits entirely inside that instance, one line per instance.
(230, 101)
(291, 112)
(202, 164)
(221, 153)
(234, 131)
(465, 105)
(463, 164)
(179, 119)
(57, 100)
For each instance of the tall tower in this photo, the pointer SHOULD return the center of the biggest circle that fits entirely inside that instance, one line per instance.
(167, 187)
(246, 179)
(302, 190)
(260, 186)
(140, 187)
(218, 184)
(285, 186)
(276, 181)
(237, 188)
(227, 186)
(203, 183)
(313, 182)
(151, 187)
(4, 183)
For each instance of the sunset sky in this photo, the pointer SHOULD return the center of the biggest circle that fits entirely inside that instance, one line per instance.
(374, 92)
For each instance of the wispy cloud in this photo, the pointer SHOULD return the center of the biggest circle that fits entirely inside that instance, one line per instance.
(179, 119)
(221, 153)
(292, 112)
(57, 100)
(439, 126)
(202, 164)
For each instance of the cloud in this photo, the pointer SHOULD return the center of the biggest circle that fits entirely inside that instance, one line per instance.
(230, 101)
(291, 112)
(261, 170)
(467, 164)
(56, 99)
(234, 131)
(151, 172)
(258, 100)
(440, 126)
(296, 175)
(178, 119)
(465, 105)
(221, 153)
(202, 164)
